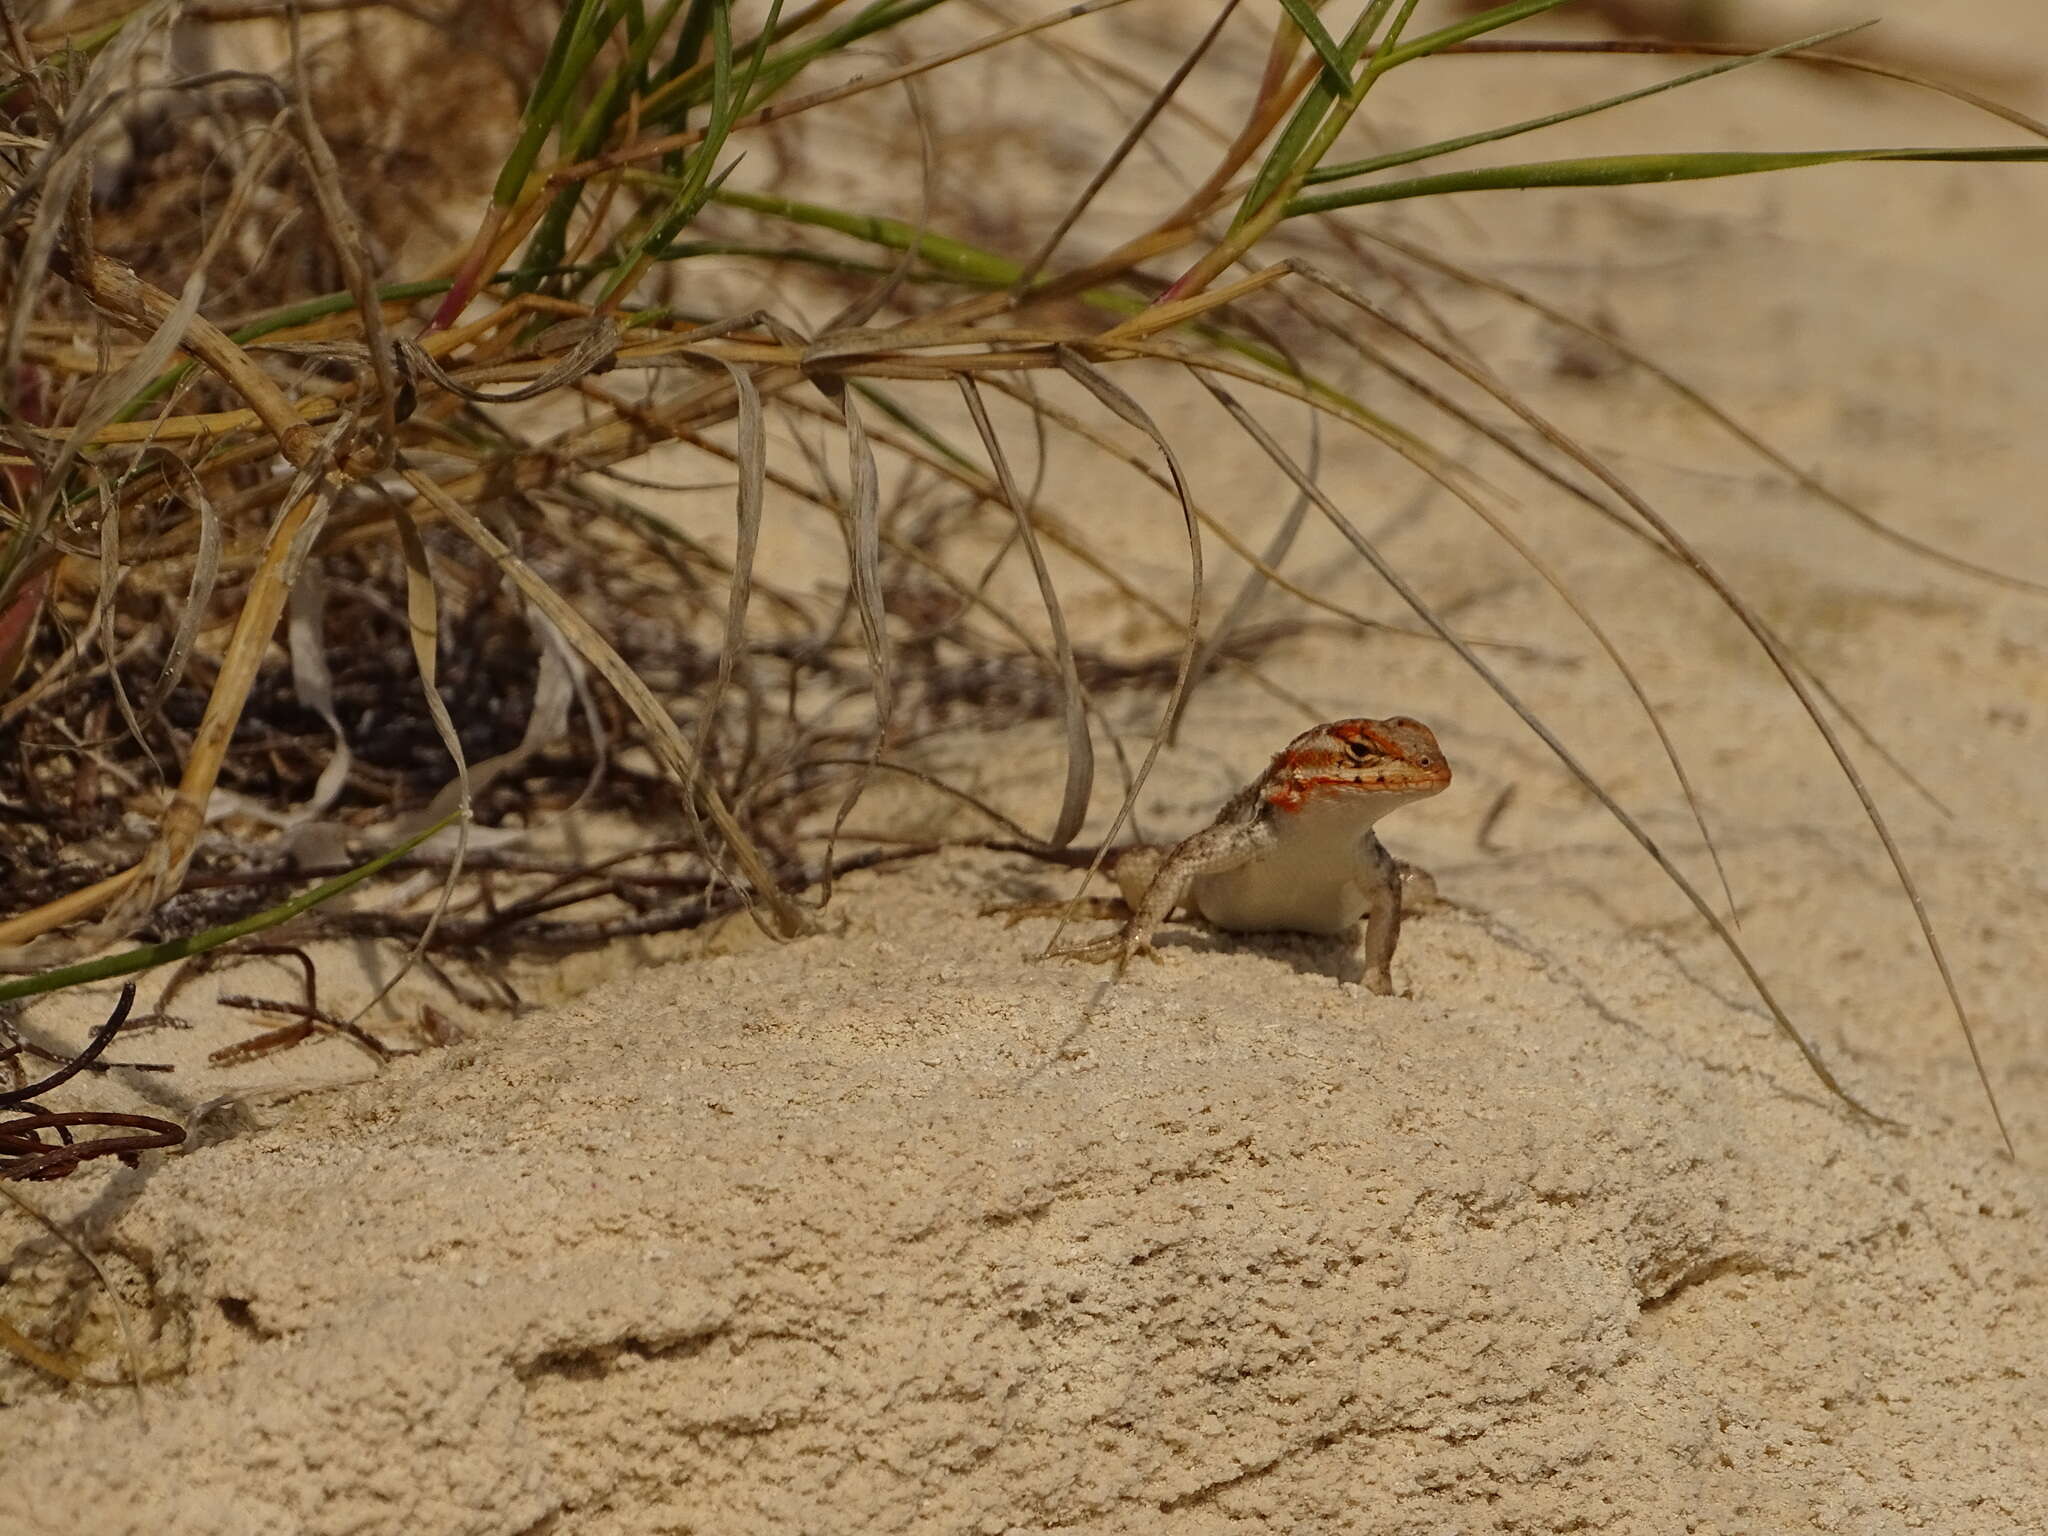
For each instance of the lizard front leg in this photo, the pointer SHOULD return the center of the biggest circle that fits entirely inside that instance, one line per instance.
(1380, 874)
(1166, 876)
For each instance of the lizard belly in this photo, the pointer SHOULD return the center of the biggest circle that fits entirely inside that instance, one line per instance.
(1322, 893)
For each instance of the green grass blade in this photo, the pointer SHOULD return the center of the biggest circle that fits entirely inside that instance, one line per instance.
(696, 186)
(689, 81)
(575, 43)
(149, 956)
(952, 256)
(961, 262)
(1632, 170)
(1472, 26)
(686, 56)
(699, 182)
(1308, 116)
(1328, 173)
(1312, 28)
(681, 85)
(550, 238)
(1301, 128)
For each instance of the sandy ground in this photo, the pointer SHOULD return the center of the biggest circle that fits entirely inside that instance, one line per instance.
(893, 1230)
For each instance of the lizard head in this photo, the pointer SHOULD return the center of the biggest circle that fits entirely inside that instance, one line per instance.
(1390, 761)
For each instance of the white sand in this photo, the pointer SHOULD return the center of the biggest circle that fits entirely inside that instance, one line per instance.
(879, 1231)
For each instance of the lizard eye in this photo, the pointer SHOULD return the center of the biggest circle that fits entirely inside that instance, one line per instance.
(1361, 751)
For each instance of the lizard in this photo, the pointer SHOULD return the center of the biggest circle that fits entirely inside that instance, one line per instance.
(1293, 850)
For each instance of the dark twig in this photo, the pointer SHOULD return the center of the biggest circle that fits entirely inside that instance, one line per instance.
(102, 1038)
(23, 1155)
(23, 1152)
(315, 1019)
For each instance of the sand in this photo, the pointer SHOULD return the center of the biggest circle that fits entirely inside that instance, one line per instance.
(892, 1229)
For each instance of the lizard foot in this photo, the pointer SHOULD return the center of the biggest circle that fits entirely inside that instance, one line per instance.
(1101, 951)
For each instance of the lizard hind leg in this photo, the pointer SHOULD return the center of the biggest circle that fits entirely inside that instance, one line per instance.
(1135, 872)
(1132, 867)
(1156, 881)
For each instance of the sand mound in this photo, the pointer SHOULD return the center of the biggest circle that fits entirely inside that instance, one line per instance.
(876, 1232)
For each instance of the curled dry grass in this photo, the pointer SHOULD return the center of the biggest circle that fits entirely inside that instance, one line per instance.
(248, 396)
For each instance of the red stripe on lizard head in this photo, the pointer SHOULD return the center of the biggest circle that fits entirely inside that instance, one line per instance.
(1333, 762)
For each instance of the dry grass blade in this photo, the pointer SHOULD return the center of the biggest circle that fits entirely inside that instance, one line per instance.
(597, 343)
(26, 1349)
(1786, 665)
(751, 459)
(664, 737)
(1258, 578)
(1816, 56)
(1080, 782)
(862, 527)
(198, 593)
(110, 572)
(55, 177)
(1114, 396)
(1393, 578)
(1259, 565)
(969, 594)
(114, 392)
(128, 1341)
(864, 548)
(285, 553)
(345, 232)
(939, 786)
(1136, 132)
(313, 681)
(1556, 582)
(1547, 573)
(1508, 444)
(138, 888)
(423, 631)
(866, 306)
(114, 287)
(1702, 403)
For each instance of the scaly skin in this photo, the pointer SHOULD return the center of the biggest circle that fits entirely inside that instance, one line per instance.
(1293, 850)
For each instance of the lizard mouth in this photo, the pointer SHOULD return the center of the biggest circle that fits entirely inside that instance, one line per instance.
(1395, 781)
(1395, 785)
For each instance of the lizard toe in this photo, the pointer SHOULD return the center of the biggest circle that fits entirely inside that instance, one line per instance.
(1095, 952)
